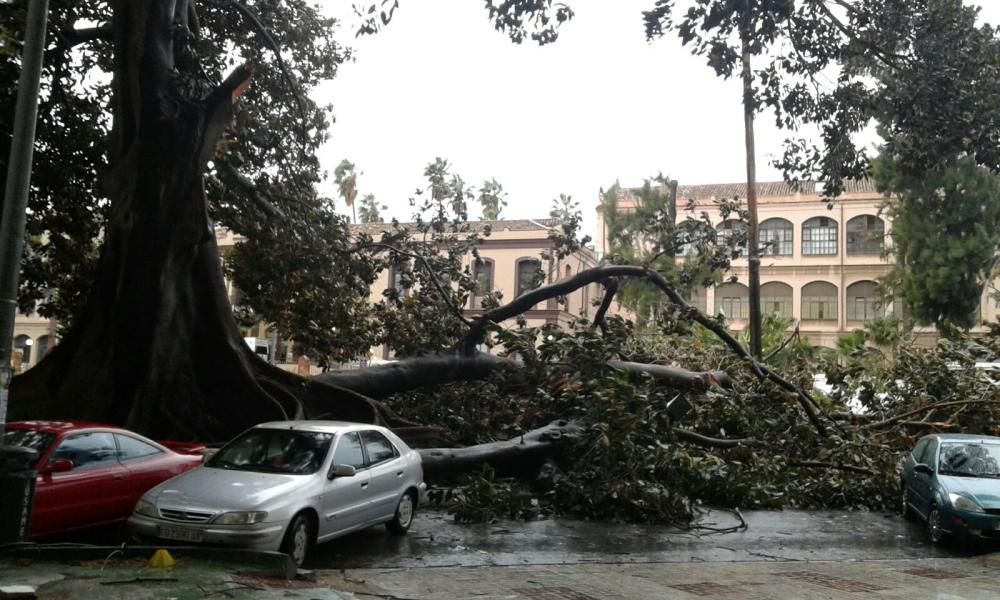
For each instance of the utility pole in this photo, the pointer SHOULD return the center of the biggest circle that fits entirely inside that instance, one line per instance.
(753, 254)
(15, 199)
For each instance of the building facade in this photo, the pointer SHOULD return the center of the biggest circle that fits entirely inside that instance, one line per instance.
(819, 265)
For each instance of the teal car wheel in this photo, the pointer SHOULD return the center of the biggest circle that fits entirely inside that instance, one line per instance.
(935, 529)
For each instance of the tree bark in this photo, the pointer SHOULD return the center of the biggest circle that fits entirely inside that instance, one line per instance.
(157, 349)
(753, 252)
(518, 457)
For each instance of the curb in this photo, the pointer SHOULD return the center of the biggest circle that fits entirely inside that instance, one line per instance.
(272, 563)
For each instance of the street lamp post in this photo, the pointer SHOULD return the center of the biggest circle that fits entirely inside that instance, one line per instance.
(15, 199)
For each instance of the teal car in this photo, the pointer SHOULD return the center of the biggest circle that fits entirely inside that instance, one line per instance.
(952, 482)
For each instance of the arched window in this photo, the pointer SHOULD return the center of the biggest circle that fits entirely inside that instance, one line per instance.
(733, 301)
(730, 228)
(819, 237)
(529, 275)
(865, 235)
(776, 237)
(22, 345)
(776, 297)
(819, 301)
(43, 346)
(863, 303)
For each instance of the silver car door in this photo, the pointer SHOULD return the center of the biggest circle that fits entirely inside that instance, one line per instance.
(345, 499)
(388, 472)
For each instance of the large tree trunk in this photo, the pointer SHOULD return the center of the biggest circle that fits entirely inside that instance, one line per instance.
(158, 349)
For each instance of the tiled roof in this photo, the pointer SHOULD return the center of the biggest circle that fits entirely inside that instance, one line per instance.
(511, 224)
(764, 189)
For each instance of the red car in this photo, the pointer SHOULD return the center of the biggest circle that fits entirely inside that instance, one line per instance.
(91, 474)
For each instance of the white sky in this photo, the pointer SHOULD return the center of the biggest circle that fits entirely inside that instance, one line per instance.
(599, 104)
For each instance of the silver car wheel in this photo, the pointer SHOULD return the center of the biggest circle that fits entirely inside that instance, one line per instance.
(405, 511)
(934, 529)
(300, 542)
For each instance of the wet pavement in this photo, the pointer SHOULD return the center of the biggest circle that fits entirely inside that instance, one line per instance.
(436, 540)
(790, 554)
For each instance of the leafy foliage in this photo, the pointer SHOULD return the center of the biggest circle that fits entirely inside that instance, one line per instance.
(265, 167)
(945, 232)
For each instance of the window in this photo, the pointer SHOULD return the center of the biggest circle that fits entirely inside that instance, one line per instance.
(130, 448)
(733, 301)
(776, 298)
(819, 301)
(349, 451)
(733, 230)
(274, 451)
(776, 237)
(22, 344)
(863, 303)
(88, 450)
(529, 275)
(38, 441)
(43, 346)
(819, 237)
(483, 272)
(379, 448)
(396, 281)
(918, 451)
(865, 235)
(929, 454)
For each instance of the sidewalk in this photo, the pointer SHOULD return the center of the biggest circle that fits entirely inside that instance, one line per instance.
(939, 579)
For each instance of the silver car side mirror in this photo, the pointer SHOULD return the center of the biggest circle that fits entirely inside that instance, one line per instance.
(342, 471)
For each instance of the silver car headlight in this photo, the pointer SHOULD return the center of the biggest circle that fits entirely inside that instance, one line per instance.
(241, 518)
(965, 503)
(146, 508)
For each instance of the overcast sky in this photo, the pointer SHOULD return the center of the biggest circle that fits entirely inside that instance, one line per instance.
(601, 104)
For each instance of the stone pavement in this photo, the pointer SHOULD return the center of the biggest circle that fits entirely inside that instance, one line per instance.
(974, 578)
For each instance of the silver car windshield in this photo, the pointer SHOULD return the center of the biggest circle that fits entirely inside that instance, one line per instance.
(274, 451)
(970, 460)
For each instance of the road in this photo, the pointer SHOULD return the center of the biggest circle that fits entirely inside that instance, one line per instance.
(436, 540)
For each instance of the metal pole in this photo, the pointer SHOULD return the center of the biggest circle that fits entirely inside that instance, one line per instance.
(15, 200)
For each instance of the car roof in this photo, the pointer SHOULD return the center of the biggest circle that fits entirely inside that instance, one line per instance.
(966, 437)
(318, 426)
(58, 427)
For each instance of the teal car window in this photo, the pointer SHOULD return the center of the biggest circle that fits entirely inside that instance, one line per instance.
(918, 450)
(971, 459)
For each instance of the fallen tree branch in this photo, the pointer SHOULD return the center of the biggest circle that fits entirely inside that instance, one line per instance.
(815, 464)
(915, 411)
(711, 442)
(519, 456)
(418, 372)
(676, 376)
(610, 289)
(525, 301)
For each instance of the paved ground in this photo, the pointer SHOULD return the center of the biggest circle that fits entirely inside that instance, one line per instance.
(793, 555)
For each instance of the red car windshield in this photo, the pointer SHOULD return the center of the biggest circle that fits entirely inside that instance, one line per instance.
(29, 438)
(274, 451)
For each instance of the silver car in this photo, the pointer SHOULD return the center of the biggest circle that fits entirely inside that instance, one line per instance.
(286, 486)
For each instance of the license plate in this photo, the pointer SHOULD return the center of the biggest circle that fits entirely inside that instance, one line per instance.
(180, 535)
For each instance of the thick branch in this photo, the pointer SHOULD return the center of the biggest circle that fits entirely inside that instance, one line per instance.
(675, 376)
(75, 37)
(686, 435)
(610, 289)
(524, 303)
(815, 464)
(910, 413)
(522, 455)
(414, 373)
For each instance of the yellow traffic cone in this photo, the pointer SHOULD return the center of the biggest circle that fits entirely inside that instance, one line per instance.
(161, 559)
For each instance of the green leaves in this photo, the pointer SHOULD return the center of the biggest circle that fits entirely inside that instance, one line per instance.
(946, 231)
